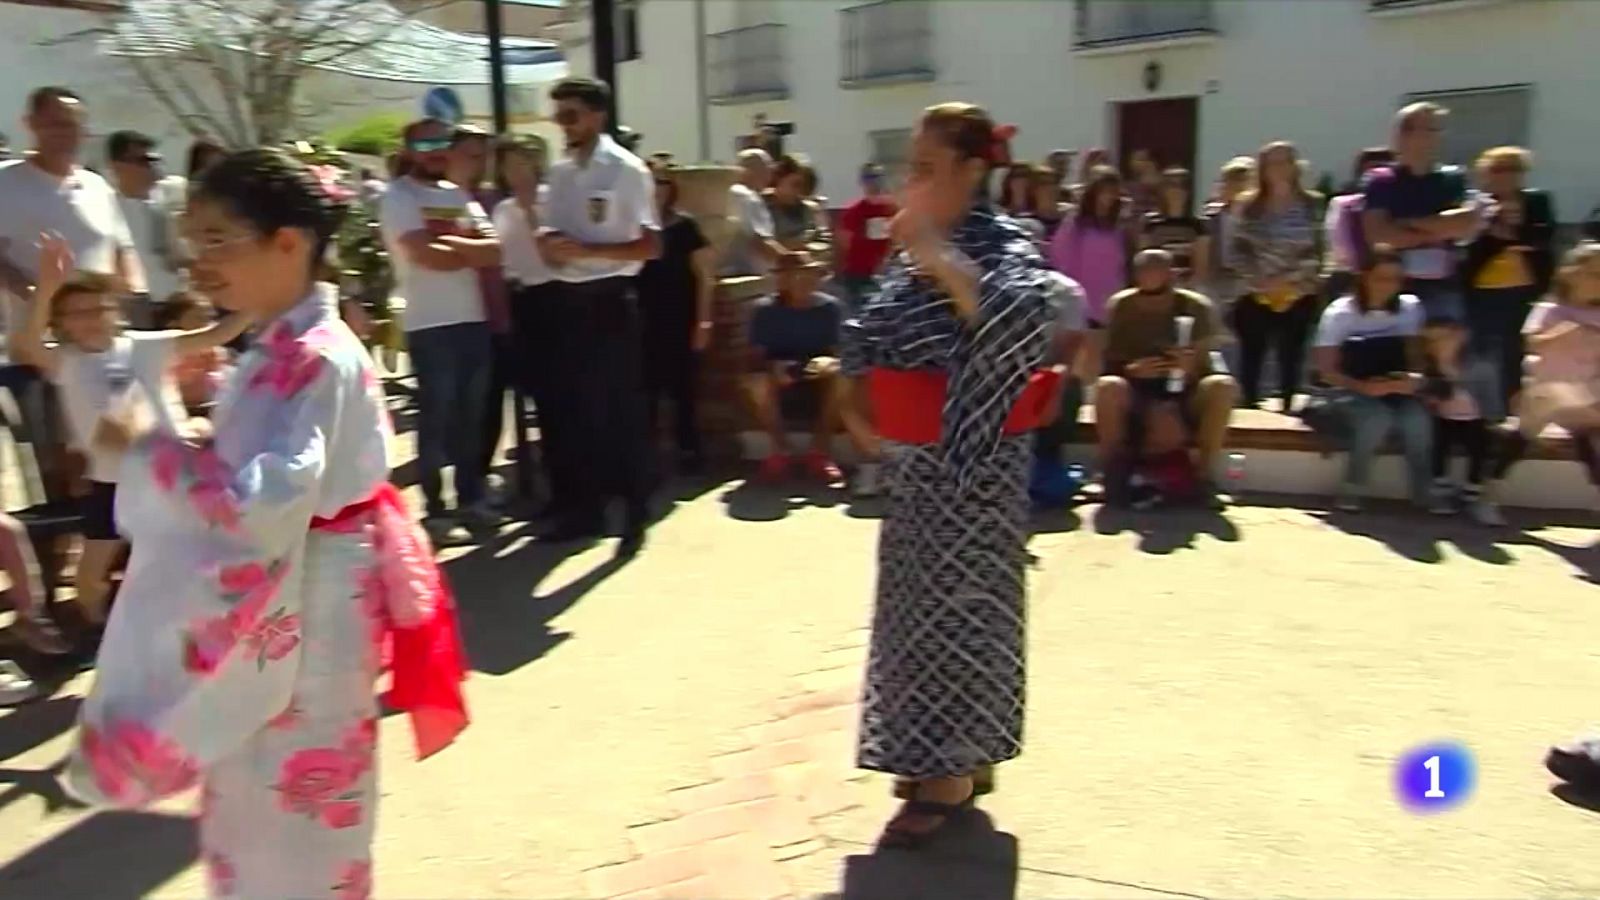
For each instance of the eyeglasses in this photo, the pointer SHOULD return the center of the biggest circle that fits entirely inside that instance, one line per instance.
(211, 246)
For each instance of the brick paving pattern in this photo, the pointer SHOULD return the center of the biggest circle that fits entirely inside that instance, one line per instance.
(740, 832)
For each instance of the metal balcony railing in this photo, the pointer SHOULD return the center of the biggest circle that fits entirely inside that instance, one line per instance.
(1110, 23)
(889, 40)
(747, 64)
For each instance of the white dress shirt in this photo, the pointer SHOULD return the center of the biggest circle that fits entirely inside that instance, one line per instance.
(519, 255)
(608, 200)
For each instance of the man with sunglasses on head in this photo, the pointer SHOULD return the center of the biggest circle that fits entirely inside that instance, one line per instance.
(48, 191)
(600, 228)
(438, 238)
(136, 168)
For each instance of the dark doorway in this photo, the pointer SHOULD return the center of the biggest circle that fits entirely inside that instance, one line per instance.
(1168, 129)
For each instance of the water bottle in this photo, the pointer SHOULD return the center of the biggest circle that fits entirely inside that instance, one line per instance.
(1234, 474)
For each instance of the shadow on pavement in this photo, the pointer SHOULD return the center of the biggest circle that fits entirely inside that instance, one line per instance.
(504, 620)
(1576, 796)
(32, 724)
(750, 501)
(1418, 536)
(973, 861)
(107, 856)
(1163, 531)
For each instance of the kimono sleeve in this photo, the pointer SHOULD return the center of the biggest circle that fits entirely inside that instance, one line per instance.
(1017, 311)
(205, 646)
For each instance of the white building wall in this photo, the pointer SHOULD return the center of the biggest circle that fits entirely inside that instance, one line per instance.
(1325, 74)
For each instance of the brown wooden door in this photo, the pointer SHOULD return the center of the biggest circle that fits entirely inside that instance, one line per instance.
(1166, 128)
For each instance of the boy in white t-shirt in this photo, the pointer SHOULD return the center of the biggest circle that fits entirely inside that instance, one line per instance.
(97, 369)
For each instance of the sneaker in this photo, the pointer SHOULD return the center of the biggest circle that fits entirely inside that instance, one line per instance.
(868, 481)
(1484, 512)
(774, 468)
(497, 491)
(15, 685)
(481, 517)
(1576, 762)
(1442, 498)
(39, 632)
(819, 466)
(1348, 499)
(442, 529)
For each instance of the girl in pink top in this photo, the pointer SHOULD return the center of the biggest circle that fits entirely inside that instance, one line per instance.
(1091, 247)
(1563, 337)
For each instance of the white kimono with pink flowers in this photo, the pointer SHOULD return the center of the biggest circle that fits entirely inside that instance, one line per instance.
(243, 648)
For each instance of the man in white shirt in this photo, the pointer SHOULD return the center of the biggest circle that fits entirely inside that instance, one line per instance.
(600, 227)
(753, 250)
(438, 237)
(47, 191)
(136, 167)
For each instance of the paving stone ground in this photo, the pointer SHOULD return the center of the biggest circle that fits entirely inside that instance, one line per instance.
(1215, 704)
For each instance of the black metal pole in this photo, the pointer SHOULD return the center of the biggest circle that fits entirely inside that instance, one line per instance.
(494, 27)
(603, 22)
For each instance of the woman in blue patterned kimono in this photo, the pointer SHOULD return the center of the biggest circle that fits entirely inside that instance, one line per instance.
(951, 350)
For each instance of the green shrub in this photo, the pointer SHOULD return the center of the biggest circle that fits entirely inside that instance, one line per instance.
(376, 135)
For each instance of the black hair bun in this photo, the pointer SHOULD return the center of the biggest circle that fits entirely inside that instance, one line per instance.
(271, 189)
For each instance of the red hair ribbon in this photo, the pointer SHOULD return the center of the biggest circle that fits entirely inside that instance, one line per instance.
(1000, 144)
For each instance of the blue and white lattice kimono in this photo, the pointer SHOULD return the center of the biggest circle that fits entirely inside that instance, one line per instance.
(945, 675)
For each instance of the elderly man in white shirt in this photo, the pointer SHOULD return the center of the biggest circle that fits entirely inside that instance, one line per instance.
(754, 249)
(47, 191)
(599, 229)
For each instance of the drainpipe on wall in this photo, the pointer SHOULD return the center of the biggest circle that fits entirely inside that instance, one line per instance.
(702, 102)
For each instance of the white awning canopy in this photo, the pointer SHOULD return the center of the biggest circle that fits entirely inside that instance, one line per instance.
(364, 38)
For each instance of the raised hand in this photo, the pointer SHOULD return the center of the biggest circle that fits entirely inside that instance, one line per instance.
(56, 264)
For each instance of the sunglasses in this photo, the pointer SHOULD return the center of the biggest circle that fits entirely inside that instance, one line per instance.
(429, 145)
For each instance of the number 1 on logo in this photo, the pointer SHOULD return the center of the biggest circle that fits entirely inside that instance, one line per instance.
(1432, 765)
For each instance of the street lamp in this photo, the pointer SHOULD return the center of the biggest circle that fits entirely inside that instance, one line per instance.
(603, 29)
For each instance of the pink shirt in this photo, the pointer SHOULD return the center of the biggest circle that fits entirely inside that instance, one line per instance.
(1096, 258)
(1575, 357)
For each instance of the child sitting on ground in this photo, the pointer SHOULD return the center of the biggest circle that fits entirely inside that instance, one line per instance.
(97, 369)
(1461, 391)
(1563, 362)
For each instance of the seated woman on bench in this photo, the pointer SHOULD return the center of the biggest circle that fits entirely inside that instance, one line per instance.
(1158, 394)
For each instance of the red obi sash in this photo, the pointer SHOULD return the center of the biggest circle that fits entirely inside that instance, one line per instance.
(419, 634)
(908, 404)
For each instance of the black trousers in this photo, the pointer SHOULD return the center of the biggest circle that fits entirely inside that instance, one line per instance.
(501, 374)
(1049, 441)
(1261, 329)
(672, 374)
(534, 317)
(1470, 438)
(595, 389)
(1495, 317)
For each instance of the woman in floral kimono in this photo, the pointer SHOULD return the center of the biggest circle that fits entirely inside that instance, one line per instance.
(274, 571)
(952, 350)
